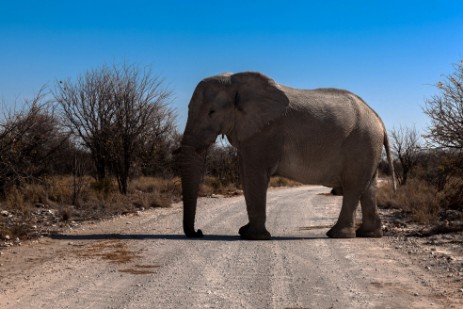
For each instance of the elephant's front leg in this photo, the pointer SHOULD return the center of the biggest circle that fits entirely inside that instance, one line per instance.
(255, 180)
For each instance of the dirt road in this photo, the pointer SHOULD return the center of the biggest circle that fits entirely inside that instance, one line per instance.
(144, 261)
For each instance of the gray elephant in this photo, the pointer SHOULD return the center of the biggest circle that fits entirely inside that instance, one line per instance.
(329, 137)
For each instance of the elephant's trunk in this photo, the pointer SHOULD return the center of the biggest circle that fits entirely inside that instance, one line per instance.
(191, 168)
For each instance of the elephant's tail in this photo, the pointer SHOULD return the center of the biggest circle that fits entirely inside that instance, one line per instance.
(390, 160)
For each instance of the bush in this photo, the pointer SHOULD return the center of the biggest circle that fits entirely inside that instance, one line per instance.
(33, 208)
(105, 186)
(31, 141)
(282, 182)
(222, 163)
(417, 197)
(167, 188)
(213, 185)
(452, 194)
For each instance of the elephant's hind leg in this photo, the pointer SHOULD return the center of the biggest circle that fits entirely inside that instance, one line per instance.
(371, 222)
(345, 227)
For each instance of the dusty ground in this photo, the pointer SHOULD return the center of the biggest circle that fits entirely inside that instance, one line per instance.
(143, 261)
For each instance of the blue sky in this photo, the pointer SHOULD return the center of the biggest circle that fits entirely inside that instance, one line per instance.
(388, 52)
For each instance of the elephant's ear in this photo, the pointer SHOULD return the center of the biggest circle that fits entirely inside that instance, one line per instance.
(259, 101)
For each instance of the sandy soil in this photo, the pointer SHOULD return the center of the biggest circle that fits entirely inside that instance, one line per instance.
(144, 261)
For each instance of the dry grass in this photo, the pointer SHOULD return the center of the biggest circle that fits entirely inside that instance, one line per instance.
(15, 199)
(58, 191)
(417, 197)
(452, 194)
(283, 182)
(213, 185)
(37, 208)
(42, 208)
(168, 187)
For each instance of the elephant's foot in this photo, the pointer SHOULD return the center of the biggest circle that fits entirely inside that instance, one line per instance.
(369, 232)
(249, 233)
(193, 234)
(341, 232)
(243, 229)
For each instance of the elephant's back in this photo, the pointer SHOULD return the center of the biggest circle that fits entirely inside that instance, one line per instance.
(334, 109)
(325, 127)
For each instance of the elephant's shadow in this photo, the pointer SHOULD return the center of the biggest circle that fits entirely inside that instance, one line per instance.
(170, 237)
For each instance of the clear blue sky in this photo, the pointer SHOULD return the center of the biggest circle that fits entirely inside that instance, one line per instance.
(388, 52)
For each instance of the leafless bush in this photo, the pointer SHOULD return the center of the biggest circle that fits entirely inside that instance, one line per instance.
(417, 197)
(452, 194)
(30, 143)
(157, 144)
(222, 163)
(113, 111)
(406, 148)
(445, 110)
(435, 167)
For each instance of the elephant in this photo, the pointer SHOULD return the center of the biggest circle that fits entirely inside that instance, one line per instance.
(328, 137)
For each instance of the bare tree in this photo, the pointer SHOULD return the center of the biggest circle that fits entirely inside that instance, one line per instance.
(157, 144)
(30, 141)
(109, 110)
(87, 111)
(446, 111)
(406, 147)
(139, 103)
(222, 162)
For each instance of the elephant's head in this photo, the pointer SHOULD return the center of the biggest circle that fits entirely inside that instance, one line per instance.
(237, 105)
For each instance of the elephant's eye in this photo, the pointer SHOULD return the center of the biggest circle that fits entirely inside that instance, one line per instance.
(211, 112)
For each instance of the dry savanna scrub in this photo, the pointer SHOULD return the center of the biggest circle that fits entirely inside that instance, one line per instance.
(417, 197)
(42, 208)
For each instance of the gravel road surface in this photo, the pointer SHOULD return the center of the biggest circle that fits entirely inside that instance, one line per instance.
(144, 261)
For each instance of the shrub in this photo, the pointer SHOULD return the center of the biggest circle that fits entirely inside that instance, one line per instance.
(452, 194)
(155, 184)
(30, 142)
(106, 186)
(61, 189)
(156, 200)
(15, 199)
(33, 207)
(282, 182)
(417, 197)
(34, 193)
(213, 185)
(222, 163)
